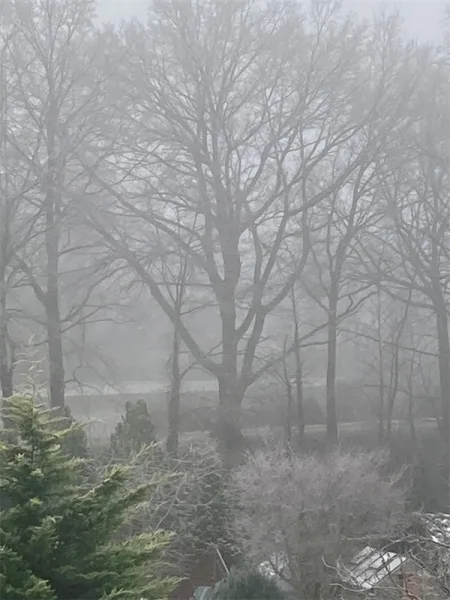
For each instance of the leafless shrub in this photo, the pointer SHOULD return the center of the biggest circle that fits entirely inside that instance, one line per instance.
(307, 512)
(186, 496)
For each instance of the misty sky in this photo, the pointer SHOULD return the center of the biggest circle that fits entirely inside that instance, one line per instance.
(423, 18)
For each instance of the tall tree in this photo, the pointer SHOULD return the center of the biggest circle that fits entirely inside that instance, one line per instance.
(336, 222)
(385, 353)
(7, 206)
(229, 113)
(176, 276)
(341, 217)
(58, 66)
(410, 249)
(16, 181)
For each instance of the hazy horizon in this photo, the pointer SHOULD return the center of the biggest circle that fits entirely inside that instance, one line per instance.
(423, 19)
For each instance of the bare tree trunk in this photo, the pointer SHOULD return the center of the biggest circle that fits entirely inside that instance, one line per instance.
(332, 422)
(444, 379)
(230, 395)
(55, 351)
(393, 389)
(52, 213)
(300, 408)
(174, 400)
(298, 377)
(229, 431)
(444, 370)
(288, 394)
(381, 432)
(412, 425)
(6, 364)
(395, 369)
(7, 358)
(7, 361)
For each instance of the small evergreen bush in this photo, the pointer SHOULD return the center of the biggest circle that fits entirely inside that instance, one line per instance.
(135, 432)
(75, 442)
(242, 584)
(57, 536)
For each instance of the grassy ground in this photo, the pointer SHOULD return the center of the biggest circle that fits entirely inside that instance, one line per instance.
(260, 417)
(421, 456)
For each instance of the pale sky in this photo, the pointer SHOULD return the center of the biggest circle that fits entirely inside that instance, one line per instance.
(423, 18)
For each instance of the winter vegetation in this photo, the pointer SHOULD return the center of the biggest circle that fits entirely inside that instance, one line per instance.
(224, 302)
(319, 507)
(57, 532)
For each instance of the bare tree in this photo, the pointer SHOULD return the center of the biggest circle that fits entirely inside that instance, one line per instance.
(303, 514)
(289, 371)
(176, 276)
(233, 112)
(336, 222)
(396, 347)
(56, 60)
(16, 181)
(383, 332)
(339, 219)
(282, 373)
(7, 207)
(408, 252)
(388, 382)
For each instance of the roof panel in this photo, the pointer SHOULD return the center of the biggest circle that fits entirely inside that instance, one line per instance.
(370, 567)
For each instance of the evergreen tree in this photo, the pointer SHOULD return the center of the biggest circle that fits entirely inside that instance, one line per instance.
(135, 432)
(247, 585)
(57, 537)
(210, 509)
(74, 443)
(17, 582)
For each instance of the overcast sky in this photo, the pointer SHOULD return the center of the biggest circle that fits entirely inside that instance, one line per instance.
(423, 18)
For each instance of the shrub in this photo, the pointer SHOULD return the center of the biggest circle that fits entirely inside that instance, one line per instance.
(135, 432)
(56, 535)
(75, 442)
(311, 511)
(189, 498)
(246, 585)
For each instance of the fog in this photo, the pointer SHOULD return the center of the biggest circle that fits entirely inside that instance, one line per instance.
(224, 300)
(235, 206)
(421, 19)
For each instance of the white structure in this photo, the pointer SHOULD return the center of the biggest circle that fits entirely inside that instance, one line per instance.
(369, 568)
